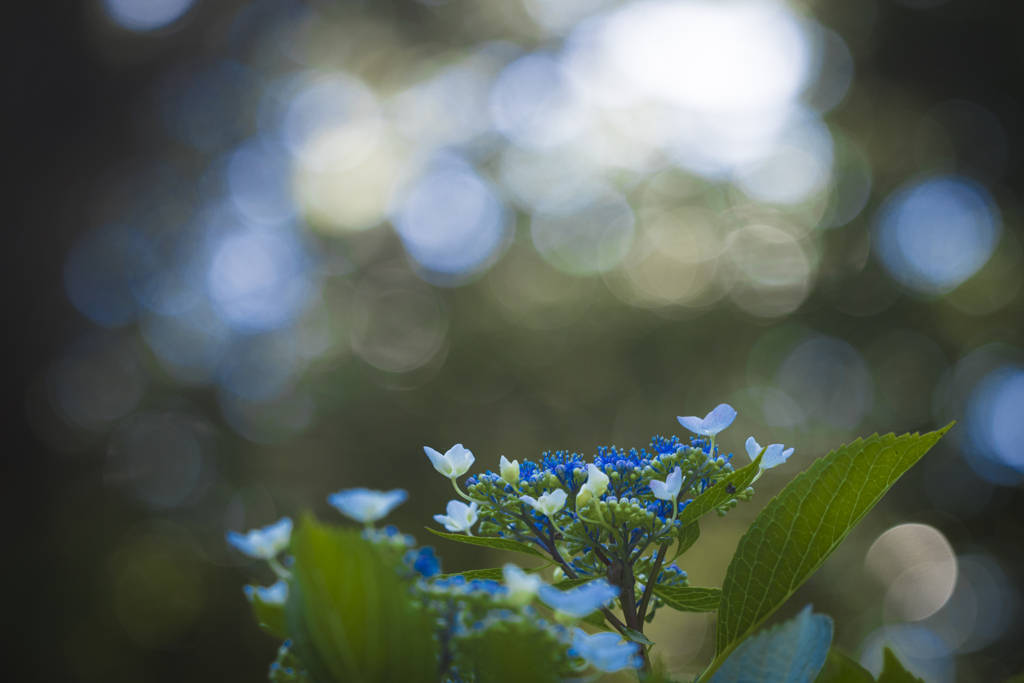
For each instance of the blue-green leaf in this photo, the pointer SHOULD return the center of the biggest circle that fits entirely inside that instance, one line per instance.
(720, 494)
(792, 652)
(488, 542)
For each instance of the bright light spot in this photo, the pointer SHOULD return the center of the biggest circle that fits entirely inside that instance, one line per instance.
(145, 15)
(917, 566)
(352, 199)
(829, 381)
(451, 222)
(592, 240)
(258, 281)
(920, 650)
(161, 457)
(711, 56)
(332, 124)
(532, 103)
(995, 430)
(550, 182)
(933, 234)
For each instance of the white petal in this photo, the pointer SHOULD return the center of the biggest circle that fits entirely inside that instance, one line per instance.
(674, 482)
(753, 448)
(660, 490)
(460, 458)
(555, 501)
(597, 481)
(718, 419)
(439, 462)
(693, 424)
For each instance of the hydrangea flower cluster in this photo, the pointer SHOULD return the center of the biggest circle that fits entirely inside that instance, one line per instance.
(606, 526)
(614, 517)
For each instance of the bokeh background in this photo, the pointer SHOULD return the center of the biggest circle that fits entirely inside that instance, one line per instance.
(257, 252)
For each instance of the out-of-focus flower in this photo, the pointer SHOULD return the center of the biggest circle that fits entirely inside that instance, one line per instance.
(713, 423)
(272, 595)
(424, 561)
(366, 506)
(579, 602)
(265, 543)
(522, 587)
(606, 652)
(460, 517)
(454, 463)
(668, 489)
(548, 504)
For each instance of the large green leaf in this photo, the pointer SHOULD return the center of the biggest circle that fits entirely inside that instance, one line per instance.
(689, 536)
(349, 612)
(803, 525)
(487, 542)
(689, 598)
(893, 671)
(792, 652)
(839, 668)
(720, 494)
(513, 651)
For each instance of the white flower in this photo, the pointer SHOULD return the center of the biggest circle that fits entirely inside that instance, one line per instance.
(265, 543)
(452, 464)
(668, 489)
(595, 486)
(366, 506)
(548, 504)
(509, 470)
(460, 517)
(522, 587)
(773, 456)
(714, 422)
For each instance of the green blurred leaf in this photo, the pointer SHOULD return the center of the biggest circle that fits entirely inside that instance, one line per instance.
(636, 636)
(495, 574)
(270, 617)
(513, 652)
(839, 668)
(499, 543)
(689, 598)
(893, 671)
(566, 584)
(791, 652)
(597, 619)
(804, 524)
(718, 495)
(350, 613)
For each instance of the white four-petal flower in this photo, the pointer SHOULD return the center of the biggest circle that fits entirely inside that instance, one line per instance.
(548, 504)
(773, 456)
(366, 506)
(668, 489)
(460, 517)
(452, 464)
(714, 422)
(265, 543)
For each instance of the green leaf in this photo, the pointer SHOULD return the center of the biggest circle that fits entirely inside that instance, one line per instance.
(792, 652)
(597, 619)
(839, 668)
(499, 543)
(636, 636)
(893, 671)
(689, 598)
(349, 611)
(495, 574)
(566, 584)
(689, 536)
(804, 524)
(512, 652)
(718, 495)
(270, 617)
